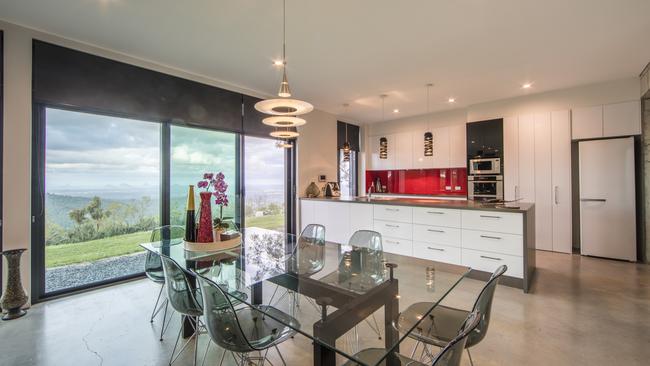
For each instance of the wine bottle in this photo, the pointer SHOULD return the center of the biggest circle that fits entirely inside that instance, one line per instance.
(190, 217)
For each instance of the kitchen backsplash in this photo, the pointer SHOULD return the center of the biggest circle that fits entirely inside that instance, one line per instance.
(451, 182)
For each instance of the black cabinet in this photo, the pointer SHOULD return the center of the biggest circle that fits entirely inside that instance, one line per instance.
(485, 139)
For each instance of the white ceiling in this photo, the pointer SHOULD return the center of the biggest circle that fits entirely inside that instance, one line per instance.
(342, 51)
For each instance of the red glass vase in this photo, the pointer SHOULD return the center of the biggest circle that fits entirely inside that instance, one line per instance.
(205, 234)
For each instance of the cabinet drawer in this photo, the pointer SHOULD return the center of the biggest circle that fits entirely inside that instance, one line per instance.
(394, 229)
(494, 242)
(500, 222)
(398, 246)
(436, 252)
(488, 262)
(393, 213)
(437, 234)
(436, 216)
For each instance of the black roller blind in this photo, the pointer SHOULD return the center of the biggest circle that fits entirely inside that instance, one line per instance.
(62, 76)
(352, 133)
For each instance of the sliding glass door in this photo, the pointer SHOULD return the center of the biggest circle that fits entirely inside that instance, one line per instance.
(195, 152)
(264, 184)
(101, 197)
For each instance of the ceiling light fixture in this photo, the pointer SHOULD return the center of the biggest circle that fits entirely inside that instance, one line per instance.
(527, 85)
(451, 100)
(284, 144)
(278, 62)
(395, 110)
(346, 144)
(284, 121)
(284, 106)
(285, 133)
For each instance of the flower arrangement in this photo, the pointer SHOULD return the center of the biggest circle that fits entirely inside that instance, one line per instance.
(216, 184)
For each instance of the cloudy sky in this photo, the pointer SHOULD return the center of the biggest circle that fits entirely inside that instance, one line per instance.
(91, 152)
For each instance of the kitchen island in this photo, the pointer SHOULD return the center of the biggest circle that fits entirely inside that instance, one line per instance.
(469, 233)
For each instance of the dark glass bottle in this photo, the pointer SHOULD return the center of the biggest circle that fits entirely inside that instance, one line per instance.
(190, 217)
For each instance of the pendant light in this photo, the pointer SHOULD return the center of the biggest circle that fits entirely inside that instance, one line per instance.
(346, 144)
(284, 144)
(428, 136)
(284, 109)
(383, 142)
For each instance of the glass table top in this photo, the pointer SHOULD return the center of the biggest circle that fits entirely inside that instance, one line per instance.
(295, 275)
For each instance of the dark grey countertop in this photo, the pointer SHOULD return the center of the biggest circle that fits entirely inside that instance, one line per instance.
(520, 207)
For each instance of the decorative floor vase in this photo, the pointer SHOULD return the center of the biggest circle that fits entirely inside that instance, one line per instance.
(14, 297)
(205, 234)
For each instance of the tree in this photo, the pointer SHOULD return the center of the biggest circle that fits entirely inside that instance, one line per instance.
(96, 212)
(78, 215)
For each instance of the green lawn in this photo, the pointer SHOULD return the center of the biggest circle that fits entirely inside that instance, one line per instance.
(89, 251)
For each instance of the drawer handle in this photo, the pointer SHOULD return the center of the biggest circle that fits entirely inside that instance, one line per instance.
(438, 249)
(389, 225)
(392, 209)
(493, 258)
(435, 212)
(392, 242)
(490, 237)
(435, 231)
(490, 217)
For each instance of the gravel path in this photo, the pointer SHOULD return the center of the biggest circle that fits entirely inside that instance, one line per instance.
(80, 274)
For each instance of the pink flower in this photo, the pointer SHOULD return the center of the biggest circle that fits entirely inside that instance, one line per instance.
(208, 176)
(202, 184)
(220, 176)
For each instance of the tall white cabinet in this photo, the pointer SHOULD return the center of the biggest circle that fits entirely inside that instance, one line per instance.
(537, 168)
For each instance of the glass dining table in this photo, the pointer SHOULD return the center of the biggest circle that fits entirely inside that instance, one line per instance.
(329, 288)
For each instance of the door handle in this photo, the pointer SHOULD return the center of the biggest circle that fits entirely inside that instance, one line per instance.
(493, 258)
(593, 200)
(435, 212)
(516, 192)
(389, 225)
(438, 249)
(392, 209)
(557, 202)
(490, 217)
(435, 231)
(490, 237)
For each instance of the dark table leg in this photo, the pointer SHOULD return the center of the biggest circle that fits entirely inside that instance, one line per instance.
(257, 294)
(391, 313)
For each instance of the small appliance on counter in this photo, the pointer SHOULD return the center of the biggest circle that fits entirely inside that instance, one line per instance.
(332, 189)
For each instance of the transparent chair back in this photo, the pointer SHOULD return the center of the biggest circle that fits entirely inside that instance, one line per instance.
(483, 306)
(152, 264)
(181, 296)
(453, 351)
(366, 239)
(228, 327)
(308, 257)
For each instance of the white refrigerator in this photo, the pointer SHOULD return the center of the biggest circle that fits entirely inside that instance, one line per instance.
(607, 198)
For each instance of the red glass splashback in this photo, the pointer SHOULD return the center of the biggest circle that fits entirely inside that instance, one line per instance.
(439, 182)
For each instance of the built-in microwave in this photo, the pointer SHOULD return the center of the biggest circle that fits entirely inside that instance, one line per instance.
(485, 187)
(490, 166)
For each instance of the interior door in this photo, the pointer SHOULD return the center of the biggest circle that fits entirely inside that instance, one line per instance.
(561, 165)
(543, 183)
(607, 199)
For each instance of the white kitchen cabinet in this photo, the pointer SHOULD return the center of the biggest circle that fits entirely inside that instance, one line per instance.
(440, 147)
(335, 216)
(561, 176)
(587, 122)
(398, 246)
(526, 186)
(361, 217)
(437, 234)
(393, 229)
(307, 213)
(393, 213)
(543, 183)
(382, 164)
(498, 222)
(403, 151)
(436, 252)
(489, 262)
(622, 119)
(511, 158)
(436, 216)
(458, 146)
(493, 242)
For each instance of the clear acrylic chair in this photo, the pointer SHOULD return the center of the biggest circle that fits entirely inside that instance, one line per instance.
(185, 300)
(153, 268)
(444, 323)
(450, 355)
(243, 330)
(307, 259)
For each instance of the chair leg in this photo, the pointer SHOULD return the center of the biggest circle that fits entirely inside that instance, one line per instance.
(155, 307)
(171, 358)
(223, 355)
(196, 342)
(205, 354)
(415, 349)
(162, 328)
(280, 354)
(470, 357)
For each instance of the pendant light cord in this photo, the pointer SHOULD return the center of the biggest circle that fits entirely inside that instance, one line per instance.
(284, 34)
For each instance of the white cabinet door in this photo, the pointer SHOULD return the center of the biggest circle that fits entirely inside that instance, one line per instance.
(622, 119)
(543, 183)
(335, 216)
(511, 158)
(458, 146)
(376, 162)
(440, 147)
(587, 122)
(403, 151)
(393, 213)
(526, 188)
(417, 149)
(561, 175)
(306, 213)
(361, 217)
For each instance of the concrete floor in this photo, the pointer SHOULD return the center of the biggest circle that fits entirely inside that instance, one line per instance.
(583, 311)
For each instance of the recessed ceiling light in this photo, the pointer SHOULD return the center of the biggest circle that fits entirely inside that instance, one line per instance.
(451, 100)
(527, 85)
(278, 63)
(395, 110)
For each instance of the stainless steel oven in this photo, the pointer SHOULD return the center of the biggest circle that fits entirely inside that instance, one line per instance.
(490, 166)
(485, 187)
